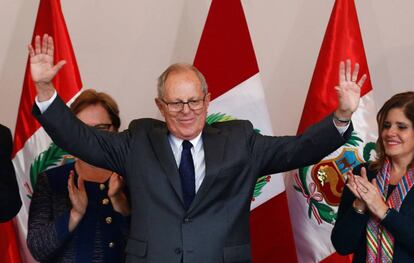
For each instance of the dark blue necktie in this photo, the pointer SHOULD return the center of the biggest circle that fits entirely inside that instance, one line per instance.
(187, 174)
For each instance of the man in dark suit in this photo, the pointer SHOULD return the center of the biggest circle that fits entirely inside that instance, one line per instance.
(191, 183)
(10, 202)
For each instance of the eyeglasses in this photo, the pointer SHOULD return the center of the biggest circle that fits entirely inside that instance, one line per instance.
(103, 126)
(179, 105)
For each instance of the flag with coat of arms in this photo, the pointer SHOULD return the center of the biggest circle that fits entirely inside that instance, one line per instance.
(314, 192)
(226, 57)
(34, 151)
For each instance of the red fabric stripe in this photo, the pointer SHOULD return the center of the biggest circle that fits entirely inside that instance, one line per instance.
(271, 232)
(49, 20)
(225, 53)
(9, 251)
(336, 258)
(342, 40)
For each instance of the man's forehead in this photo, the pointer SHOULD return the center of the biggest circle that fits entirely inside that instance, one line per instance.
(182, 75)
(182, 81)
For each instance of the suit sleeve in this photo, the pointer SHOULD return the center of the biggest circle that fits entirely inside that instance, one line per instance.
(284, 153)
(47, 232)
(100, 148)
(348, 234)
(10, 201)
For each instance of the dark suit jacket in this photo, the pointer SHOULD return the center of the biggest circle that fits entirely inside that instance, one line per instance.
(349, 233)
(10, 202)
(216, 226)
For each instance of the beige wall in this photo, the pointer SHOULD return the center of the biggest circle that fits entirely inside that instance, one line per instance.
(122, 46)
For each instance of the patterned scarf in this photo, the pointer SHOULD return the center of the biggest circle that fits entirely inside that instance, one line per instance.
(380, 242)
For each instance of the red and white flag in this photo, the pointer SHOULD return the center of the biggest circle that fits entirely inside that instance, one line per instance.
(314, 192)
(226, 57)
(33, 149)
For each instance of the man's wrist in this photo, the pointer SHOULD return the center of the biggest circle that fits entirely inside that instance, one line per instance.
(44, 105)
(45, 96)
(45, 90)
(343, 118)
(339, 120)
(343, 114)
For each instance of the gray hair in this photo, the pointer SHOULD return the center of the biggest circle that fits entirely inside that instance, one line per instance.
(180, 67)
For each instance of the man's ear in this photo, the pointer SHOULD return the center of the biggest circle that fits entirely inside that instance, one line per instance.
(159, 103)
(207, 100)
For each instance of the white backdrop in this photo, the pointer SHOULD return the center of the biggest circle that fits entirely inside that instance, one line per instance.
(122, 46)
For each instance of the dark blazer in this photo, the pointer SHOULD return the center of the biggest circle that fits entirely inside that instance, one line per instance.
(10, 201)
(349, 233)
(215, 228)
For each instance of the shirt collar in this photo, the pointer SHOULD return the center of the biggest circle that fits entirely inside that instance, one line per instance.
(177, 142)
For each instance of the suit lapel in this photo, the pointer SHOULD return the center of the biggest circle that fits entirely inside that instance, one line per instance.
(213, 144)
(162, 148)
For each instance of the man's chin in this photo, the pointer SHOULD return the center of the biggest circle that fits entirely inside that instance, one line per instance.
(188, 135)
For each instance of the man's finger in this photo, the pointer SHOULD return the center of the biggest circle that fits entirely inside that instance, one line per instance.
(31, 51)
(348, 69)
(59, 65)
(362, 80)
(44, 44)
(50, 46)
(355, 73)
(341, 72)
(37, 45)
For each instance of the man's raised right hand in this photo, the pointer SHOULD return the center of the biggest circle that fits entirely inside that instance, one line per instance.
(42, 68)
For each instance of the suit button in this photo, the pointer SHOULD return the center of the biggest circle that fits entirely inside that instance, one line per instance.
(111, 244)
(187, 220)
(105, 201)
(108, 220)
(178, 251)
(102, 187)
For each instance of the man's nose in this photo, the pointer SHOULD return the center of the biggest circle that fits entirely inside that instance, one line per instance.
(186, 108)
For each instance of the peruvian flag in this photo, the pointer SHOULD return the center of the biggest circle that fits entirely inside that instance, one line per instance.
(226, 57)
(314, 192)
(33, 149)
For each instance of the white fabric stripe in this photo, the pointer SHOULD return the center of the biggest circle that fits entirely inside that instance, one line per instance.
(246, 101)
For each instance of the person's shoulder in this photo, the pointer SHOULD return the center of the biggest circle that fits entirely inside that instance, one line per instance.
(145, 123)
(232, 124)
(234, 128)
(6, 140)
(4, 129)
